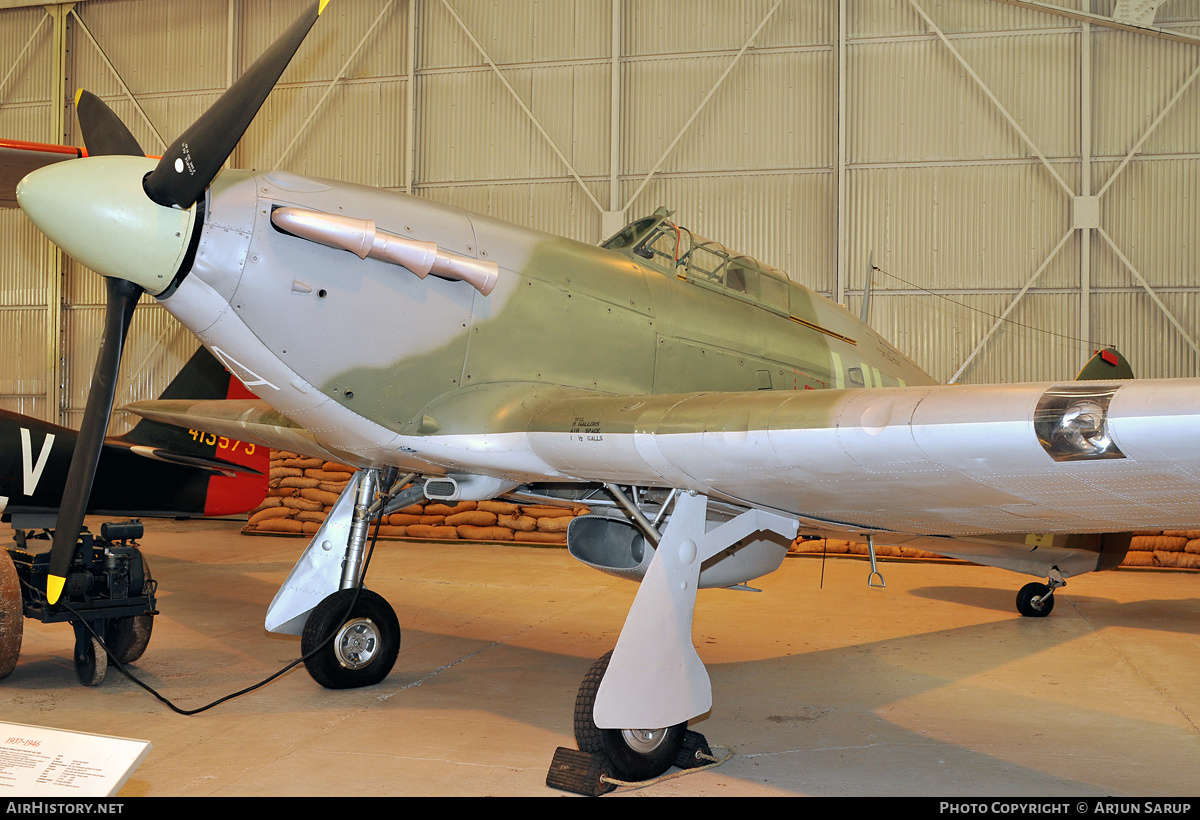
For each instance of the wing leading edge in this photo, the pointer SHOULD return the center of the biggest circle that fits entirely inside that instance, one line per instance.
(250, 420)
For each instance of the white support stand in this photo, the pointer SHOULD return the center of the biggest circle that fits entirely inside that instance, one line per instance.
(655, 678)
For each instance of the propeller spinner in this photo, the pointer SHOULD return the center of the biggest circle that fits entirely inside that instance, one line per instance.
(131, 220)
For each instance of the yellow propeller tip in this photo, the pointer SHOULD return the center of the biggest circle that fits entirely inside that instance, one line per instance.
(54, 588)
(321, 8)
(78, 94)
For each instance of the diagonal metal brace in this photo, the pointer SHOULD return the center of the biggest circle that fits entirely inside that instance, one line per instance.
(655, 678)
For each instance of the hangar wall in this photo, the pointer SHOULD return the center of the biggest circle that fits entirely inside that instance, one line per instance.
(994, 159)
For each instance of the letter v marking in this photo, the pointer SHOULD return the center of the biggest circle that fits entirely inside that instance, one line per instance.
(33, 473)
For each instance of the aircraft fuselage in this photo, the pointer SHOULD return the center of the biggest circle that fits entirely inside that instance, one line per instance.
(360, 351)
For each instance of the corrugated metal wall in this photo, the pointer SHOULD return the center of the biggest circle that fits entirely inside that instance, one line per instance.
(809, 133)
(25, 292)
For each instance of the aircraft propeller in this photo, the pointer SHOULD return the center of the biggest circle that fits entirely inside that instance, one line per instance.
(196, 156)
(110, 216)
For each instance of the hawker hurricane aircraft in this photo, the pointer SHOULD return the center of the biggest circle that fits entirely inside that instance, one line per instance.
(723, 407)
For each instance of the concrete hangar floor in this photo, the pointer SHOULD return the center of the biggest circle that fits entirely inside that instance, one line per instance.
(934, 686)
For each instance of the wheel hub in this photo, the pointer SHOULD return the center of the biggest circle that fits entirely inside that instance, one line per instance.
(644, 741)
(356, 643)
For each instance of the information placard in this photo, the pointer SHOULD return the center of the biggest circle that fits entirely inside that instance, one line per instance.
(36, 761)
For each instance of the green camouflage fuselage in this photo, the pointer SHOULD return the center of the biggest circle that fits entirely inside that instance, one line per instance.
(565, 319)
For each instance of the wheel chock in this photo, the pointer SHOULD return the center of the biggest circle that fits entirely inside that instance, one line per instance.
(579, 772)
(694, 752)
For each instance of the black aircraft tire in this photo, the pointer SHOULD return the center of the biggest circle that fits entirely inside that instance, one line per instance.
(587, 736)
(1025, 598)
(365, 644)
(635, 754)
(12, 615)
(93, 667)
(127, 638)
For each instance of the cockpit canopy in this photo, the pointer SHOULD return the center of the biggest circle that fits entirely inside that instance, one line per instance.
(679, 251)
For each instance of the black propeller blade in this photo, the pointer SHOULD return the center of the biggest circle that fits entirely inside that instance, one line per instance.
(103, 132)
(182, 175)
(118, 312)
(104, 135)
(195, 158)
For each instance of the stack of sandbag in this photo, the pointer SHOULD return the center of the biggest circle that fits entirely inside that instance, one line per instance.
(484, 521)
(837, 546)
(302, 491)
(1172, 549)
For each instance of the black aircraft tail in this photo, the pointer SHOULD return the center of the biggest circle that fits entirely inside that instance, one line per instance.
(239, 470)
(153, 470)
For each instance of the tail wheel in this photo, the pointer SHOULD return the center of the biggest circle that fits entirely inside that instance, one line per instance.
(636, 754)
(1035, 601)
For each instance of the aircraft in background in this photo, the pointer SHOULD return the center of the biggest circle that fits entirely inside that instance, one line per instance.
(154, 470)
(723, 407)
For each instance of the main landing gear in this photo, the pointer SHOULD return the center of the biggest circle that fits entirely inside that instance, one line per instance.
(108, 589)
(1035, 600)
(608, 757)
(349, 636)
(653, 681)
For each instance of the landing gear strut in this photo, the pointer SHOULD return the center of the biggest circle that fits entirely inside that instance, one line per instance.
(653, 681)
(349, 647)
